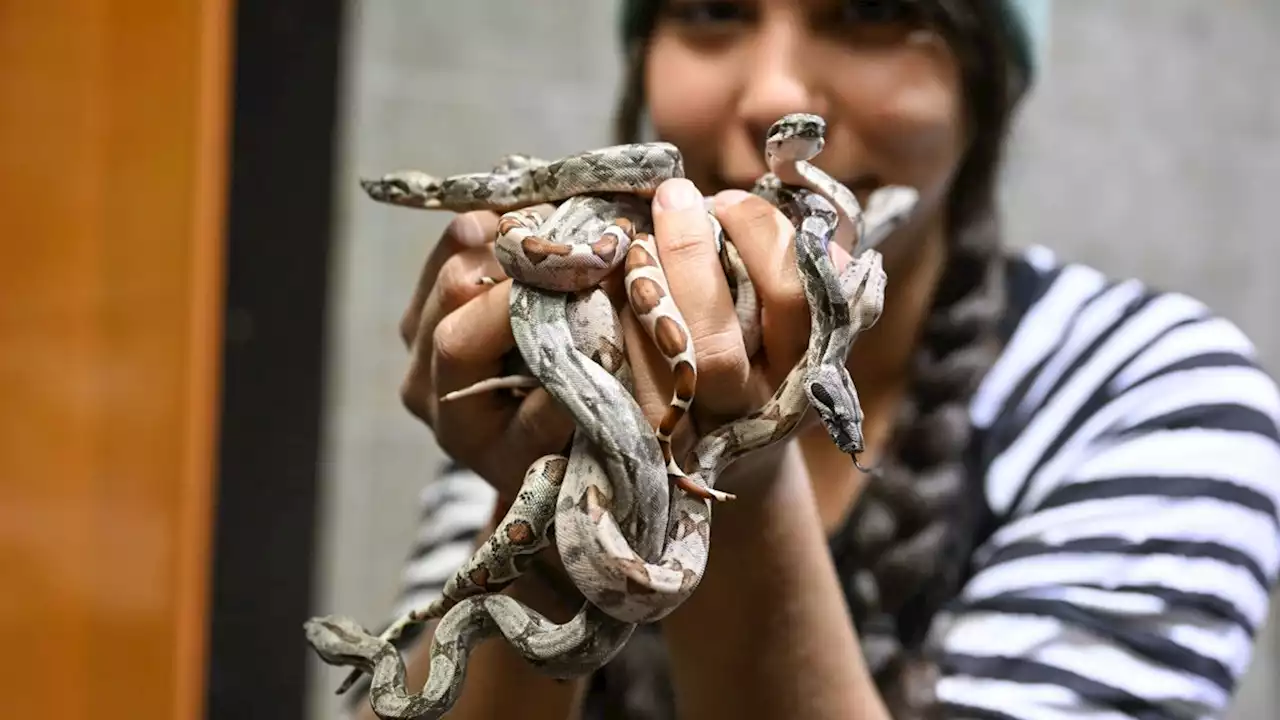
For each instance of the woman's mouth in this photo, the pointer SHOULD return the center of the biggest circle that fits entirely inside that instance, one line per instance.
(860, 185)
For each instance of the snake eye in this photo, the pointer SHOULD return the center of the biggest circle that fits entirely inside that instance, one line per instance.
(820, 395)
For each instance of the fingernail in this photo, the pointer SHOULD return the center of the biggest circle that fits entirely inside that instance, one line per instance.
(729, 198)
(678, 194)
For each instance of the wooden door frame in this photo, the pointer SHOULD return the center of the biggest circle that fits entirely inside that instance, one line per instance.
(285, 91)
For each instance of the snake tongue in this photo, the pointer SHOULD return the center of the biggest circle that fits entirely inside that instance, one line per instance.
(349, 682)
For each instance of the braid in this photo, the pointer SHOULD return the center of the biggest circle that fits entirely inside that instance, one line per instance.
(627, 116)
(904, 549)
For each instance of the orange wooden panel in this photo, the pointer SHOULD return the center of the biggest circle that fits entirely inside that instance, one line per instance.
(113, 117)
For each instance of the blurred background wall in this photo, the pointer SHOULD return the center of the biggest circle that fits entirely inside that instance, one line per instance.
(1151, 146)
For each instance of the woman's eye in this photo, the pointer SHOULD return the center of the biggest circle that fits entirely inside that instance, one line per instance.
(875, 11)
(707, 11)
(870, 22)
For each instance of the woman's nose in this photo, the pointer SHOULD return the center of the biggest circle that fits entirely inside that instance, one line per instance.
(777, 81)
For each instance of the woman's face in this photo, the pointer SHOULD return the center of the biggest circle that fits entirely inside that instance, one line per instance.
(720, 72)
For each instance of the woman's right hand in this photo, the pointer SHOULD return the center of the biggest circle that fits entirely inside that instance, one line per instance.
(457, 332)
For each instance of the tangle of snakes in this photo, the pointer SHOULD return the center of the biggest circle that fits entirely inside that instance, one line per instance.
(632, 525)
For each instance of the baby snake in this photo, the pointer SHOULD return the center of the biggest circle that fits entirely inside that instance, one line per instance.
(635, 550)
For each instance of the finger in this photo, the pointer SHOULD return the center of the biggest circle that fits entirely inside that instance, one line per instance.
(839, 256)
(765, 239)
(469, 345)
(457, 283)
(453, 281)
(539, 426)
(686, 248)
(468, 230)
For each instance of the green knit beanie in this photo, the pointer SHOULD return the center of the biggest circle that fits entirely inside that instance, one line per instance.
(1026, 21)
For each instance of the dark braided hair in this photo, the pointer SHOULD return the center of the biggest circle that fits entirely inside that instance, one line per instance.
(903, 550)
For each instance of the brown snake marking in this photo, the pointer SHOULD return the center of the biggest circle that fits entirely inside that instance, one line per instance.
(609, 512)
(650, 298)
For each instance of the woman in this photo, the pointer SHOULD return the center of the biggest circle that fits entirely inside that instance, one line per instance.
(1075, 514)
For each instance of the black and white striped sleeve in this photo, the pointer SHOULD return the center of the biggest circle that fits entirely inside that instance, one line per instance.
(1139, 538)
(453, 508)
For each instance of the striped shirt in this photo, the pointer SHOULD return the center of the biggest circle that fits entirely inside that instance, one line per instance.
(1130, 458)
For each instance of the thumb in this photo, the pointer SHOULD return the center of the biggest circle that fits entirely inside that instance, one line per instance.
(686, 245)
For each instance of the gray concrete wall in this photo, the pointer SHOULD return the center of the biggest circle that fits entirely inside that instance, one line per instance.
(1151, 147)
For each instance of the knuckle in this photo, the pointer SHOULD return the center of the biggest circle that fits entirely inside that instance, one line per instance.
(687, 238)
(465, 232)
(785, 294)
(533, 428)
(723, 378)
(720, 353)
(447, 343)
(757, 216)
(469, 229)
(415, 395)
(409, 325)
(457, 282)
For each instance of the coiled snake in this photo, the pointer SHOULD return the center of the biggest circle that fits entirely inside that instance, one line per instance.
(632, 527)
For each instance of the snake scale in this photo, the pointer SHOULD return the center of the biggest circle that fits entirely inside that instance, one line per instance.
(631, 524)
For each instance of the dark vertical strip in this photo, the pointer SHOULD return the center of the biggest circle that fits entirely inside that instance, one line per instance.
(286, 84)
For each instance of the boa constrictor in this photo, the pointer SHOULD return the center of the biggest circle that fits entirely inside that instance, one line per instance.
(594, 387)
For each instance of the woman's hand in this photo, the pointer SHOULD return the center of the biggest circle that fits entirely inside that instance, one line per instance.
(459, 330)
(730, 384)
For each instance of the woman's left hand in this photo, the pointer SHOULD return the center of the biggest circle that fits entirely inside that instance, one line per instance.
(730, 384)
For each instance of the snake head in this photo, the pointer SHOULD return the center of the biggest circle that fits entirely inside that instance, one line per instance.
(798, 136)
(410, 188)
(340, 641)
(831, 391)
